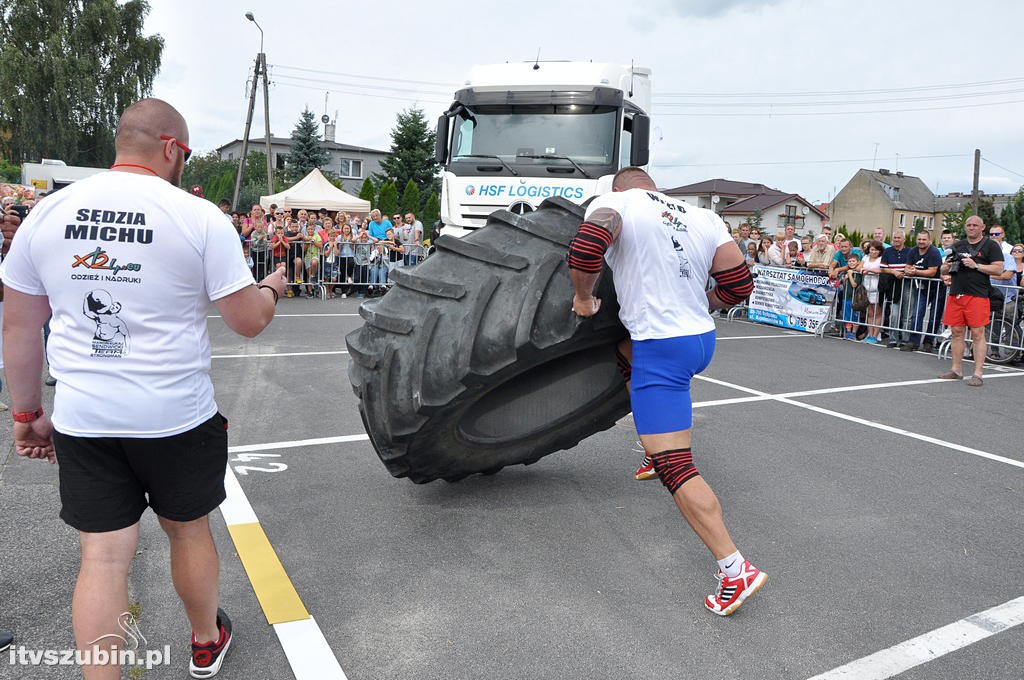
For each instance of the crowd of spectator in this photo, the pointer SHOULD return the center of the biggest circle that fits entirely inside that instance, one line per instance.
(904, 290)
(332, 254)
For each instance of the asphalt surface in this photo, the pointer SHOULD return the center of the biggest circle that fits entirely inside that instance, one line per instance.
(568, 568)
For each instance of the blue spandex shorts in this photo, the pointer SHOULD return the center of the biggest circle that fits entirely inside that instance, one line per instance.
(660, 387)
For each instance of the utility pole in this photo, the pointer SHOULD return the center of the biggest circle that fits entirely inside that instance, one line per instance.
(260, 71)
(245, 136)
(977, 172)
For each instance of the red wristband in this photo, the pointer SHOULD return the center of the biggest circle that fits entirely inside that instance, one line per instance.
(27, 416)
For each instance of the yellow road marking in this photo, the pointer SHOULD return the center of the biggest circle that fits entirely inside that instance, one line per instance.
(274, 590)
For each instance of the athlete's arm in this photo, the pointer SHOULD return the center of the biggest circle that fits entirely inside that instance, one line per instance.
(732, 276)
(586, 257)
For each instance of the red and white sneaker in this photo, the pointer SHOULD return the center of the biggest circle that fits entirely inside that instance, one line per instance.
(732, 592)
(646, 469)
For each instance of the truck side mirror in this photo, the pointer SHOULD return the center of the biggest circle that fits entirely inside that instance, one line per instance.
(640, 153)
(441, 142)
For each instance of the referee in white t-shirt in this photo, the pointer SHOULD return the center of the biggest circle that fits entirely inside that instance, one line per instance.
(129, 264)
(662, 252)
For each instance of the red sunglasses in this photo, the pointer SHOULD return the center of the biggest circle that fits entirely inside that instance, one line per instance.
(188, 151)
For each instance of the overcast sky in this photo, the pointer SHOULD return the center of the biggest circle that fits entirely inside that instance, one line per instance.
(915, 85)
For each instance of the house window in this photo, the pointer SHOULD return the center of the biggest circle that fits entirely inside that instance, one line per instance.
(351, 168)
(231, 155)
(903, 218)
(790, 211)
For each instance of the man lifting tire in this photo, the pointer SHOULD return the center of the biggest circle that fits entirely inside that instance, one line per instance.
(661, 253)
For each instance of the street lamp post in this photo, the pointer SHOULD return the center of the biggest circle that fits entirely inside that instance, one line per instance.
(261, 70)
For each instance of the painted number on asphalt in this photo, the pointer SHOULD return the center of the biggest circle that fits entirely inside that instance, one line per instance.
(250, 457)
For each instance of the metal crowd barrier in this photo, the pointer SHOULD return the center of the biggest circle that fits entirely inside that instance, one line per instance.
(907, 310)
(342, 269)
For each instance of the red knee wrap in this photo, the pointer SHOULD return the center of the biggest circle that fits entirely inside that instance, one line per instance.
(674, 467)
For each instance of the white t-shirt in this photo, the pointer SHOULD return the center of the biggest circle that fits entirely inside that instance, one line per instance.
(130, 264)
(661, 262)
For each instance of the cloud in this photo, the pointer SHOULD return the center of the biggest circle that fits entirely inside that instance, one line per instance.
(710, 9)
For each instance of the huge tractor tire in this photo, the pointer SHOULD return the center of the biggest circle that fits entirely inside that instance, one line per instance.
(474, 359)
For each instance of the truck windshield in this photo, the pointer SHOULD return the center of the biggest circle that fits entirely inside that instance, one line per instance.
(535, 135)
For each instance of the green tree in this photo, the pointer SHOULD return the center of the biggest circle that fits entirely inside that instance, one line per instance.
(387, 202)
(9, 173)
(756, 218)
(1012, 218)
(954, 221)
(67, 72)
(412, 153)
(411, 198)
(431, 214)
(307, 149)
(986, 210)
(368, 192)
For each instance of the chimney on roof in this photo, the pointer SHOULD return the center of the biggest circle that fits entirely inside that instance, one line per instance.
(883, 171)
(899, 173)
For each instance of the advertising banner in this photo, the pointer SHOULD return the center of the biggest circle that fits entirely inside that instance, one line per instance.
(790, 298)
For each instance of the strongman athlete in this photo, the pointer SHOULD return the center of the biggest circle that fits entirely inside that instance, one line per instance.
(662, 252)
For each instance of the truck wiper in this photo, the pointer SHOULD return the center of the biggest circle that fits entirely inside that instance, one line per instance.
(487, 155)
(551, 156)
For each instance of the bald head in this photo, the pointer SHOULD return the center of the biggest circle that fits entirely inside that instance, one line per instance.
(632, 178)
(142, 124)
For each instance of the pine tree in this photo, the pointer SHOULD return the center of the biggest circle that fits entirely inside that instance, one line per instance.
(412, 152)
(431, 213)
(1012, 218)
(67, 72)
(368, 192)
(387, 202)
(307, 149)
(411, 198)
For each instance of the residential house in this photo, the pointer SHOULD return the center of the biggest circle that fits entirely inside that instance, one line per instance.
(717, 194)
(891, 200)
(776, 211)
(352, 164)
(736, 202)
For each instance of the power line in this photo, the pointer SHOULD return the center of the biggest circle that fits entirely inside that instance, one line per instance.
(356, 75)
(1012, 172)
(921, 88)
(359, 94)
(815, 162)
(385, 88)
(772, 114)
(962, 95)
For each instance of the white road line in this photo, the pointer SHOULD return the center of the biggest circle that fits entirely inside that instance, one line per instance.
(931, 645)
(307, 650)
(270, 446)
(764, 396)
(870, 423)
(304, 644)
(764, 337)
(287, 316)
(279, 354)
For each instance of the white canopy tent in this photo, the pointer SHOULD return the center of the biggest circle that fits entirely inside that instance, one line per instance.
(313, 192)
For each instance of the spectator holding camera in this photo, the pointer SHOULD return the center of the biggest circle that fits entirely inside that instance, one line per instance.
(967, 270)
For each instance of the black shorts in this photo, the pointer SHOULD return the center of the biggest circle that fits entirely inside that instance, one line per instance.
(106, 483)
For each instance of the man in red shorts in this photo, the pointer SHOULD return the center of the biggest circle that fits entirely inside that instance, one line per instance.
(967, 271)
(662, 252)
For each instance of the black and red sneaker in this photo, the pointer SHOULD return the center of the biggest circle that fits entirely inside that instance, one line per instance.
(208, 657)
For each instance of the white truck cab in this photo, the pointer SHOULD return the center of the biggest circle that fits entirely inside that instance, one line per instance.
(517, 134)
